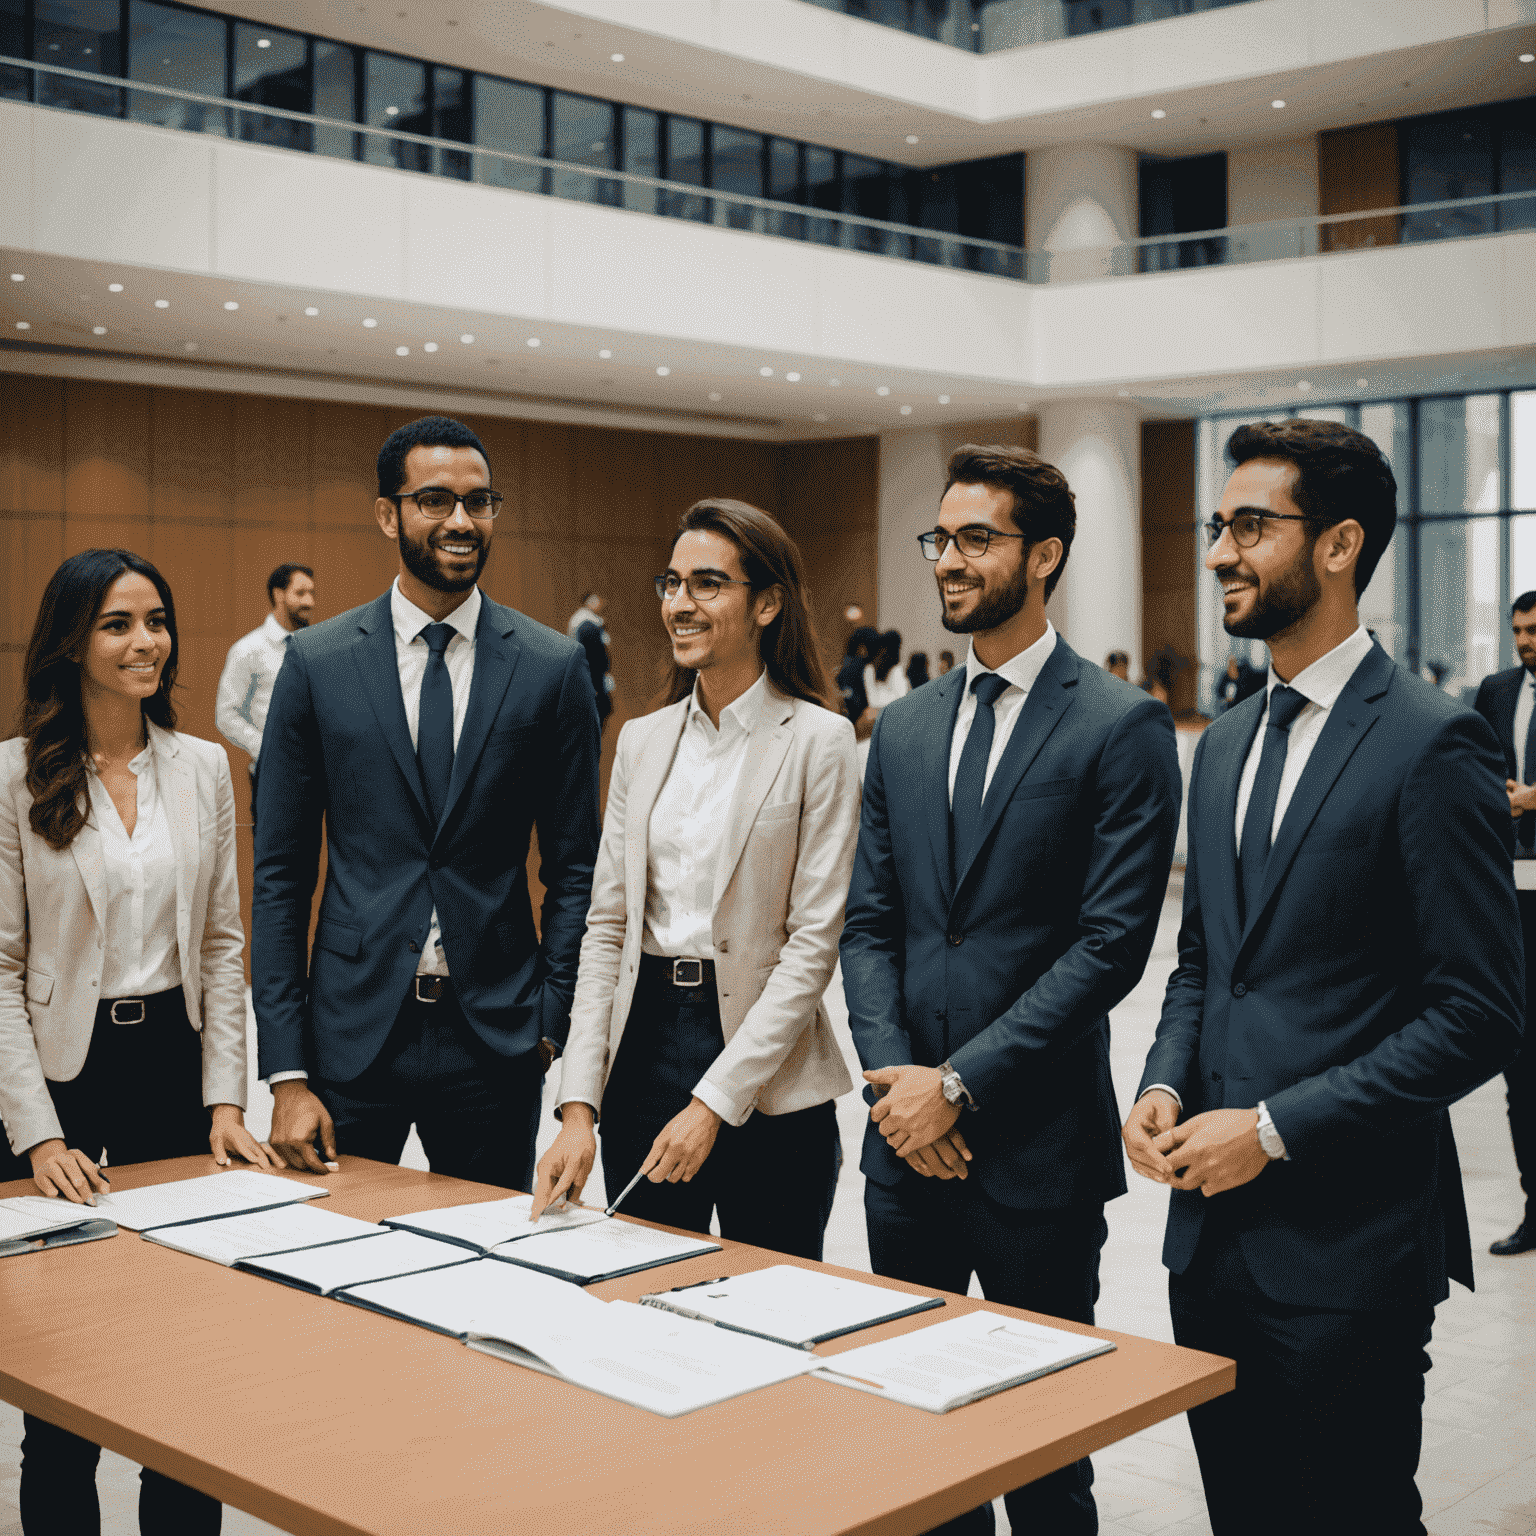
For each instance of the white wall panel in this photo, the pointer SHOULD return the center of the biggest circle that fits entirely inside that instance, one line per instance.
(477, 248)
(1519, 283)
(16, 124)
(1262, 38)
(1363, 27)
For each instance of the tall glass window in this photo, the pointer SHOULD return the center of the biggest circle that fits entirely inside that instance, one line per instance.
(335, 85)
(184, 50)
(1459, 454)
(865, 193)
(509, 116)
(1447, 156)
(582, 132)
(15, 84)
(451, 119)
(79, 34)
(685, 163)
(822, 190)
(736, 165)
(395, 96)
(784, 185)
(642, 156)
(270, 68)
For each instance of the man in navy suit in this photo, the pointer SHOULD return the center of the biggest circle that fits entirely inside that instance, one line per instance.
(1018, 826)
(1349, 966)
(429, 731)
(1507, 701)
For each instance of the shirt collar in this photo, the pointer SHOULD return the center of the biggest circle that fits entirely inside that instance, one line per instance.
(275, 633)
(741, 714)
(1323, 681)
(409, 620)
(1021, 671)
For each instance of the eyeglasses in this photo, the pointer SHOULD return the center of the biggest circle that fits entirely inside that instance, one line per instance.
(1247, 527)
(703, 586)
(438, 504)
(970, 541)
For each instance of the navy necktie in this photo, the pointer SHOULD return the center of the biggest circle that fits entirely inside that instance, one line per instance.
(971, 776)
(434, 724)
(1284, 706)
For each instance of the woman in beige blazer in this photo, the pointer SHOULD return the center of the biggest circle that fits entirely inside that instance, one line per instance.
(122, 992)
(698, 1031)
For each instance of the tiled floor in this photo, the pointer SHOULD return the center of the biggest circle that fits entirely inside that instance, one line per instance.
(1478, 1472)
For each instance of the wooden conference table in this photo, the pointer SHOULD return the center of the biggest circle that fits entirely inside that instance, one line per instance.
(327, 1419)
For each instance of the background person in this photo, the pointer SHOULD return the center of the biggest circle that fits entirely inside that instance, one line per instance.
(430, 732)
(1507, 701)
(1349, 966)
(122, 988)
(884, 683)
(699, 1033)
(251, 668)
(1238, 681)
(587, 629)
(917, 670)
(1118, 664)
(1018, 828)
(946, 663)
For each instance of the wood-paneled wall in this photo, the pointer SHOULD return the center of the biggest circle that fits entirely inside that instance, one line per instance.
(1168, 553)
(1357, 170)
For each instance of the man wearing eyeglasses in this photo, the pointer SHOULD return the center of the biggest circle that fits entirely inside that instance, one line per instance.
(430, 732)
(1018, 827)
(1349, 966)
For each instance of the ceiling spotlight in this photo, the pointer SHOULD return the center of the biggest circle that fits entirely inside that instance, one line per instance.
(943, 399)
(391, 111)
(911, 138)
(615, 58)
(1277, 105)
(429, 346)
(767, 373)
(1528, 58)
(311, 311)
(162, 303)
(1159, 114)
(230, 304)
(533, 341)
(819, 416)
(402, 351)
(369, 323)
(1303, 384)
(18, 277)
(1361, 383)
(794, 378)
(467, 339)
(714, 394)
(114, 287)
(661, 373)
(884, 389)
(605, 353)
(191, 346)
(263, 42)
(1124, 394)
(23, 325)
(98, 330)
(906, 410)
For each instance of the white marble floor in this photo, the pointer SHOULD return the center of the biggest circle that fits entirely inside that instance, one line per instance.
(1478, 1472)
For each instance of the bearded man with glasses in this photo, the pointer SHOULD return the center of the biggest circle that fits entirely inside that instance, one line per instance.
(429, 731)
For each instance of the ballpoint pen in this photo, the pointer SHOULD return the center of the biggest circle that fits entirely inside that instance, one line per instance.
(639, 1174)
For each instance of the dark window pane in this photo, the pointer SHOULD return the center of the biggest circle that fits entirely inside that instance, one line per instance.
(510, 117)
(183, 49)
(335, 97)
(270, 69)
(451, 120)
(15, 84)
(1517, 163)
(1447, 156)
(78, 34)
(784, 186)
(1096, 15)
(582, 133)
(685, 163)
(821, 191)
(395, 96)
(864, 193)
(1178, 196)
(736, 165)
(642, 156)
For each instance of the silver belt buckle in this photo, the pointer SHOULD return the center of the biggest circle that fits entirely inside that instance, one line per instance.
(435, 982)
(128, 1002)
(679, 975)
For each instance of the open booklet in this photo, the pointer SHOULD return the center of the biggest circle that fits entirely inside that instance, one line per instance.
(791, 1305)
(215, 1194)
(573, 1243)
(962, 1360)
(234, 1239)
(380, 1256)
(29, 1223)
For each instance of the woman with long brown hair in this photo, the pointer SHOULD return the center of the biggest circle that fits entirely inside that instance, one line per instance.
(122, 990)
(698, 1030)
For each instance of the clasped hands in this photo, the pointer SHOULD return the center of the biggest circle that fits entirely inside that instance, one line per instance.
(917, 1121)
(1212, 1152)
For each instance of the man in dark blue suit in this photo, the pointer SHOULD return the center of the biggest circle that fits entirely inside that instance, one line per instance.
(1349, 966)
(429, 731)
(1507, 701)
(1018, 826)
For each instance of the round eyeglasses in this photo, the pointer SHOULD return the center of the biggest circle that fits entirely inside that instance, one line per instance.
(438, 504)
(703, 586)
(1247, 527)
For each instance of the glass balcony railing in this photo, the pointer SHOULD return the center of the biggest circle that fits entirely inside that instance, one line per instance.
(987, 26)
(56, 88)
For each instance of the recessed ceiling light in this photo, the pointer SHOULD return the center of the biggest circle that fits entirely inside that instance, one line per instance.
(162, 303)
(1361, 383)
(533, 341)
(794, 378)
(911, 138)
(311, 311)
(1277, 104)
(230, 304)
(767, 373)
(370, 323)
(1124, 394)
(714, 394)
(467, 339)
(615, 58)
(605, 353)
(884, 389)
(834, 383)
(819, 416)
(1303, 384)
(391, 111)
(429, 346)
(263, 42)
(18, 277)
(906, 410)
(191, 346)
(662, 372)
(943, 399)
(1159, 114)
(402, 351)
(98, 330)
(23, 325)
(1528, 58)
(114, 287)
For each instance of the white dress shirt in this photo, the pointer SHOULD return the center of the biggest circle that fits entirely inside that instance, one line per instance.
(139, 924)
(245, 686)
(689, 824)
(1019, 672)
(1524, 703)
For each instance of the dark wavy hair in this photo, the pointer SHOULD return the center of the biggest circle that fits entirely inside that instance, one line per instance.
(1043, 504)
(1340, 473)
(52, 717)
(770, 558)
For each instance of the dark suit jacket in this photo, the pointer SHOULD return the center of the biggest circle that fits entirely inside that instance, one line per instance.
(1380, 980)
(1010, 971)
(336, 747)
(1497, 695)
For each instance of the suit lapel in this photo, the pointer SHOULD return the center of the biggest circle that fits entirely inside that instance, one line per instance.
(378, 670)
(753, 785)
(938, 731)
(1221, 888)
(650, 773)
(177, 783)
(1509, 697)
(86, 848)
(496, 655)
(1042, 712)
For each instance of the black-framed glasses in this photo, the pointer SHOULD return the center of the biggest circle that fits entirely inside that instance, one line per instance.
(970, 541)
(439, 504)
(1248, 527)
(703, 586)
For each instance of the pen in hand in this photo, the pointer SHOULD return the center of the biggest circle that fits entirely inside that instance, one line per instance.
(639, 1174)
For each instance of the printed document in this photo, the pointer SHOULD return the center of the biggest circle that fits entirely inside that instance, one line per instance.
(488, 1223)
(602, 1250)
(328, 1269)
(449, 1300)
(216, 1194)
(229, 1239)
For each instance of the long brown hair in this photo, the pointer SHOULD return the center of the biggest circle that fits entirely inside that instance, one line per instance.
(52, 717)
(770, 558)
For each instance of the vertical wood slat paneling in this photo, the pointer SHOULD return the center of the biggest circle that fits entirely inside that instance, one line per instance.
(1168, 552)
(1358, 169)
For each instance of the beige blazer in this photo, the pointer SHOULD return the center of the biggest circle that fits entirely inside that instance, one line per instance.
(51, 936)
(780, 889)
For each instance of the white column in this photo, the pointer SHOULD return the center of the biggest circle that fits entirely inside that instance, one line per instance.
(1096, 444)
(1080, 198)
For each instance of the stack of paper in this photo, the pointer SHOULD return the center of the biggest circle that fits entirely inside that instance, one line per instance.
(32, 1222)
(377, 1257)
(602, 1251)
(216, 1194)
(488, 1223)
(450, 1300)
(233, 1239)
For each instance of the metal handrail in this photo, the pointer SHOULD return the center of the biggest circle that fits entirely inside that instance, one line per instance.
(539, 162)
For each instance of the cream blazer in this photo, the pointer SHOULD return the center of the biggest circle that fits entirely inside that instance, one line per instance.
(780, 889)
(51, 935)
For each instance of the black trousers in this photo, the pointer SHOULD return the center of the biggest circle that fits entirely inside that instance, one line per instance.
(1322, 1434)
(138, 1097)
(477, 1113)
(1520, 1074)
(771, 1180)
(936, 1233)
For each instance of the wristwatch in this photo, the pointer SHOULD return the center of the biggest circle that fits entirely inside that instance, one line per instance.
(1269, 1138)
(955, 1092)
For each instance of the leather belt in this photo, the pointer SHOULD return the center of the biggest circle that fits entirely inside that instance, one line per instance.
(135, 1010)
(680, 972)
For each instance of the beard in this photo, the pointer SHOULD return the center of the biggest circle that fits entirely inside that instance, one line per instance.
(994, 607)
(422, 563)
(299, 620)
(1288, 598)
